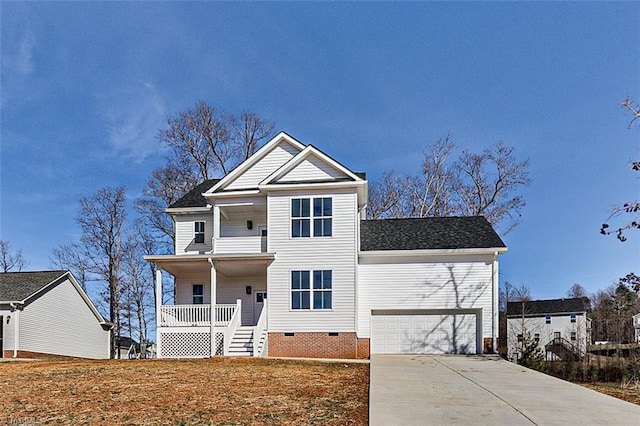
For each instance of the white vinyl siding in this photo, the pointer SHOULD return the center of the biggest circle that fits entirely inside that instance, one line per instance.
(185, 233)
(336, 253)
(427, 283)
(228, 290)
(60, 322)
(263, 168)
(312, 169)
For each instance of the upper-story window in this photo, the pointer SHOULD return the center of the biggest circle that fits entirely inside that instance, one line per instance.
(573, 317)
(302, 216)
(198, 229)
(547, 319)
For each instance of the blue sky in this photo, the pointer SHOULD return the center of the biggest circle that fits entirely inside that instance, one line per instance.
(86, 86)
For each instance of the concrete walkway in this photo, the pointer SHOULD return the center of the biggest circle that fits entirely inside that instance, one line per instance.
(482, 390)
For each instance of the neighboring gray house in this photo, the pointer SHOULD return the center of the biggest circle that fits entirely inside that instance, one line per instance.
(560, 326)
(47, 313)
(290, 223)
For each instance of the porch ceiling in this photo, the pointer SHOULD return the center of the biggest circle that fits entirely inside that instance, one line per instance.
(226, 264)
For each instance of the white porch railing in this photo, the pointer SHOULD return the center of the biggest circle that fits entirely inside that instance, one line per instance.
(234, 323)
(248, 244)
(258, 330)
(195, 315)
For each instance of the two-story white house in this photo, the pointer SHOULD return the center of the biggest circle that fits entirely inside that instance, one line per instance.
(282, 251)
(559, 326)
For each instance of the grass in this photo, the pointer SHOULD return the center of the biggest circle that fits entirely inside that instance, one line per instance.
(221, 391)
(614, 389)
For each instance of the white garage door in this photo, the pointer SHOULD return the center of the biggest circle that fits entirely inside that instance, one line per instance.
(407, 332)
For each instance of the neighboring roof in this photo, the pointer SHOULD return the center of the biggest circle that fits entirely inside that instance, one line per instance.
(18, 286)
(126, 342)
(543, 307)
(429, 233)
(194, 197)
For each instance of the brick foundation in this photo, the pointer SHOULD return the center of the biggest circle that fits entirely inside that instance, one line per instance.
(318, 345)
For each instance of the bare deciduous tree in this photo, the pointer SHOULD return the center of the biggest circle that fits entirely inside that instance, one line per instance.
(101, 218)
(205, 143)
(10, 260)
(475, 184)
(72, 257)
(630, 208)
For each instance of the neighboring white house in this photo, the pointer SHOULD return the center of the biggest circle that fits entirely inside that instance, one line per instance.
(560, 326)
(636, 326)
(289, 223)
(46, 314)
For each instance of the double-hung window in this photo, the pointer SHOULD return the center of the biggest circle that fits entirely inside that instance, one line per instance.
(321, 289)
(303, 216)
(300, 217)
(311, 290)
(300, 290)
(573, 318)
(322, 212)
(198, 230)
(198, 294)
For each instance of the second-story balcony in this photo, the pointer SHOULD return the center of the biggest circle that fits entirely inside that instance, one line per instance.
(246, 244)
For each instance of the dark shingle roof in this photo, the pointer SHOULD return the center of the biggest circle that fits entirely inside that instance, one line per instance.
(194, 197)
(542, 307)
(428, 233)
(17, 286)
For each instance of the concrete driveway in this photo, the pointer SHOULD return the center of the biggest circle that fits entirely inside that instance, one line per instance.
(482, 390)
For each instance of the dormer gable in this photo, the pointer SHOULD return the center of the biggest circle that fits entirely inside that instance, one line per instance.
(262, 163)
(310, 166)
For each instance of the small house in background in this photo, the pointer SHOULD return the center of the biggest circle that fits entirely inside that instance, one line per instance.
(46, 313)
(559, 326)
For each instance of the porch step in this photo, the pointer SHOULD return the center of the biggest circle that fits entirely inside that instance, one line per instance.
(242, 342)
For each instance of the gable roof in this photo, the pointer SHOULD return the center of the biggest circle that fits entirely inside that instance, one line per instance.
(429, 233)
(543, 307)
(18, 286)
(194, 197)
(333, 170)
(280, 138)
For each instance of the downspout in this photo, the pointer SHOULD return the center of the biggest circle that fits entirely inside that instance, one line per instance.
(16, 327)
(213, 307)
(496, 295)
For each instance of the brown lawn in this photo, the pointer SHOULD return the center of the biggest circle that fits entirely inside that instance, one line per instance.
(613, 389)
(227, 391)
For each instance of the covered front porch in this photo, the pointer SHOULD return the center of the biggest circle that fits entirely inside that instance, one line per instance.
(220, 305)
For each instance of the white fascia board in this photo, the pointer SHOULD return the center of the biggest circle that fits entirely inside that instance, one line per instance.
(187, 210)
(257, 156)
(308, 151)
(310, 185)
(214, 257)
(434, 252)
(241, 193)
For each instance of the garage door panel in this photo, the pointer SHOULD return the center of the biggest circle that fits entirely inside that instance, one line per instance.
(424, 333)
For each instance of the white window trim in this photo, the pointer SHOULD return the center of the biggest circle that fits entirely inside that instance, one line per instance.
(311, 291)
(311, 217)
(193, 294)
(196, 233)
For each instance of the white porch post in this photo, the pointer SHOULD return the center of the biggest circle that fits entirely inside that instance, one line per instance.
(158, 307)
(16, 332)
(496, 296)
(213, 306)
(216, 227)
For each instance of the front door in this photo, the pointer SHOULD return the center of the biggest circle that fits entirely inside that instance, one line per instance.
(258, 303)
